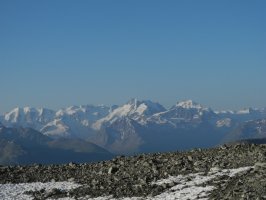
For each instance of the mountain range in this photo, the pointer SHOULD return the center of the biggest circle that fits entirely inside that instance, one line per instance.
(139, 126)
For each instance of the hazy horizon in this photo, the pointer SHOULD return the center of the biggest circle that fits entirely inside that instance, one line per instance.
(59, 53)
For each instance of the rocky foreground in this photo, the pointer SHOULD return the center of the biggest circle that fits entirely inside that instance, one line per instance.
(150, 175)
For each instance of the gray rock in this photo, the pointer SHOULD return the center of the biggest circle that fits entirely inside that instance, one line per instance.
(113, 170)
(132, 176)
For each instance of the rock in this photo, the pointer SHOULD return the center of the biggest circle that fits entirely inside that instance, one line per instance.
(132, 176)
(71, 164)
(190, 158)
(260, 165)
(113, 170)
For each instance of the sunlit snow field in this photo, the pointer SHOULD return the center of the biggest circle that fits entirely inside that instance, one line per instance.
(184, 187)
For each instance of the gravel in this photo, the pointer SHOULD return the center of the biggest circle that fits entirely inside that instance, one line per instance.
(135, 176)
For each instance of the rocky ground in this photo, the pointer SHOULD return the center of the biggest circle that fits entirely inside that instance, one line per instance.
(135, 176)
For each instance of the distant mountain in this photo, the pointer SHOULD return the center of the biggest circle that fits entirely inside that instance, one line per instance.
(136, 126)
(28, 117)
(144, 126)
(243, 115)
(134, 109)
(183, 113)
(254, 129)
(74, 121)
(27, 146)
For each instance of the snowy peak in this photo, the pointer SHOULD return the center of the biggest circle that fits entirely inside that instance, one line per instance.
(27, 115)
(80, 121)
(26, 111)
(56, 128)
(193, 107)
(13, 115)
(86, 112)
(224, 112)
(73, 120)
(133, 109)
(189, 104)
(245, 111)
(146, 107)
(184, 112)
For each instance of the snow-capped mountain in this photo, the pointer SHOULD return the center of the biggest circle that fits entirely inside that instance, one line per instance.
(86, 114)
(189, 104)
(28, 117)
(122, 126)
(74, 121)
(182, 113)
(56, 128)
(254, 129)
(129, 127)
(243, 114)
(134, 109)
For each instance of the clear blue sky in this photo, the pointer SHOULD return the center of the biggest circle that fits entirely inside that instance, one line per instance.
(56, 53)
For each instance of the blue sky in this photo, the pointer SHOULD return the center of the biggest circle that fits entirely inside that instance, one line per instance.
(57, 53)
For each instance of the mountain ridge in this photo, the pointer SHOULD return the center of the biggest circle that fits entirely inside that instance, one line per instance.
(137, 123)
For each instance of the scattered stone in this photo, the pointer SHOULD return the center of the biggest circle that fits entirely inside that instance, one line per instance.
(190, 158)
(133, 176)
(113, 170)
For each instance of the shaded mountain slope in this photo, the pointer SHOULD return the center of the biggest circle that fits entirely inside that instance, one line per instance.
(25, 146)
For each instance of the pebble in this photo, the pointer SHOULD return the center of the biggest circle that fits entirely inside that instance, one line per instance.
(133, 176)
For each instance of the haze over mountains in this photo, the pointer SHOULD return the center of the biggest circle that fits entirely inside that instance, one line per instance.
(140, 126)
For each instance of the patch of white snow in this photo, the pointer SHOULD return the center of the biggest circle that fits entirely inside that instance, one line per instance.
(16, 191)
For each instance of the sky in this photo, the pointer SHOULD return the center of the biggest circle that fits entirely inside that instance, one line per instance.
(57, 53)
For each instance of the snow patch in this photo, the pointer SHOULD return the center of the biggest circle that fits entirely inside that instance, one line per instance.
(184, 187)
(188, 104)
(189, 186)
(16, 191)
(224, 123)
(244, 111)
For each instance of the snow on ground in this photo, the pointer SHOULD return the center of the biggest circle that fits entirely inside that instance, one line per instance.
(189, 186)
(15, 191)
(184, 187)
